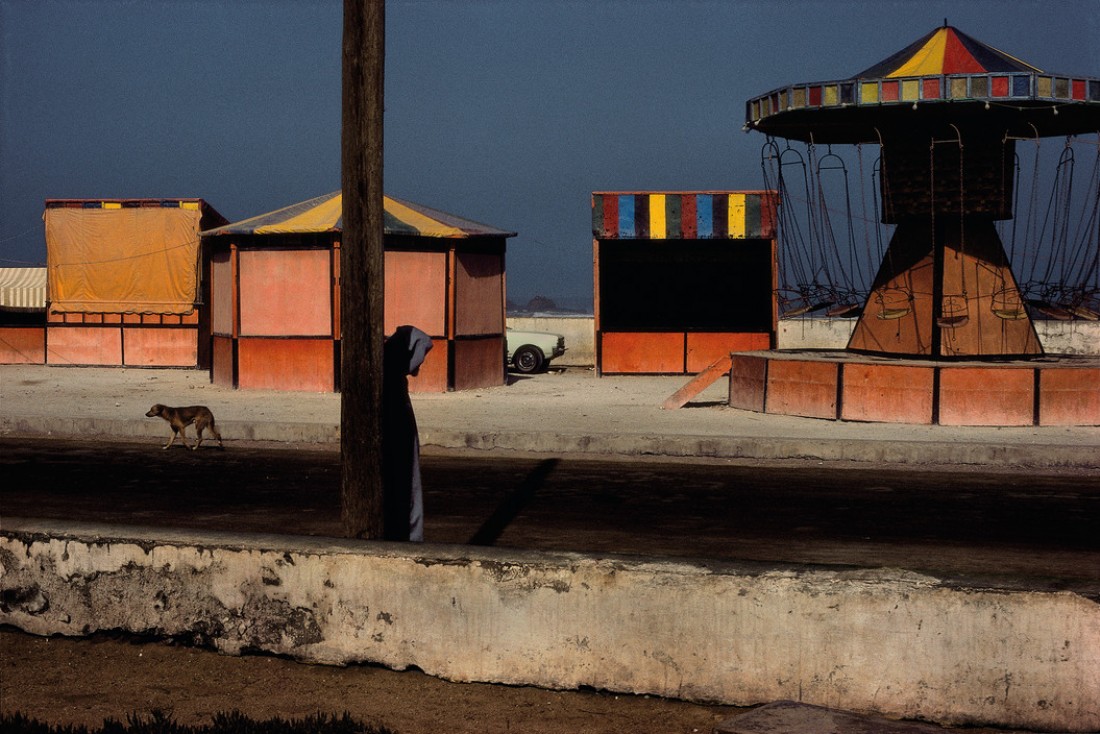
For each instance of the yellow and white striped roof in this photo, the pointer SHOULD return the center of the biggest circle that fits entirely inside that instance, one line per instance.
(325, 214)
(22, 289)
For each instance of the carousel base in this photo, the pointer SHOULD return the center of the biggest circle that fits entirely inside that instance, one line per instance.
(839, 385)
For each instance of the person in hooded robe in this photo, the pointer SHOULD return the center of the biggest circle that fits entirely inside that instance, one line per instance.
(403, 503)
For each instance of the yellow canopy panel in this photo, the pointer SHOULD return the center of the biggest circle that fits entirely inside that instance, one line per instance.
(325, 214)
(123, 259)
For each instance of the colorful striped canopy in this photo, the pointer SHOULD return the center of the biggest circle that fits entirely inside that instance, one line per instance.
(944, 78)
(325, 214)
(945, 50)
(683, 215)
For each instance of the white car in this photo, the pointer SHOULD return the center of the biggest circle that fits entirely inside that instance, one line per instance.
(531, 351)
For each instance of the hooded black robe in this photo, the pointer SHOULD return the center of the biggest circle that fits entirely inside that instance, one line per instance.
(403, 353)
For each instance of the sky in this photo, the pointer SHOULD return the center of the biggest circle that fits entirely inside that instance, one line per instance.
(507, 112)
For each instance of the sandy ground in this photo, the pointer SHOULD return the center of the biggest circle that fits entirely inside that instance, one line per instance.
(85, 681)
(68, 681)
(530, 410)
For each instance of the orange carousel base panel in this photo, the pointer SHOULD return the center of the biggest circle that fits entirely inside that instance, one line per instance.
(1054, 391)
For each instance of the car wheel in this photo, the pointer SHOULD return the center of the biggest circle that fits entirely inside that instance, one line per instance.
(528, 359)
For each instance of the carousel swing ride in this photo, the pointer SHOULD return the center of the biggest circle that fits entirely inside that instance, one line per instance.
(947, 116)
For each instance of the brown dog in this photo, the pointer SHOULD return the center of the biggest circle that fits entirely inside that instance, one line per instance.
(180, 418)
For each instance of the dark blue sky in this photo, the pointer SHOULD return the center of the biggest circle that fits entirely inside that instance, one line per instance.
(510, 112)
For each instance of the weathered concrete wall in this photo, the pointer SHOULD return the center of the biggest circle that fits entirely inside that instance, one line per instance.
(885, 641)
(814, 333)
(1069, 337)
(579, 333)
(1057, 337)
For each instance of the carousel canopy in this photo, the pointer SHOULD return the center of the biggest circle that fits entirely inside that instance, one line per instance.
(945, 77)
(325, 214)
(945, 50)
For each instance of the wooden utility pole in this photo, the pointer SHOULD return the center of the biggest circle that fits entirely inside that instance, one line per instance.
(361, 269)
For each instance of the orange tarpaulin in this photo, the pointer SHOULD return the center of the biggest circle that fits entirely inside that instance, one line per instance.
(122, 260)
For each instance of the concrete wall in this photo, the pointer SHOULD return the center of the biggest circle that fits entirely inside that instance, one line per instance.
(1069, 337)
(811, 333)
(884, 641)
(1057, 337)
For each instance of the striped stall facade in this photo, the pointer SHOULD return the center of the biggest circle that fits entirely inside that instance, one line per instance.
(682, 278)
(683, 215)
(22, 315)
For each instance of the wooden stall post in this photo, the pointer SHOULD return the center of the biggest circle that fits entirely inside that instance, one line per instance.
(361, 269)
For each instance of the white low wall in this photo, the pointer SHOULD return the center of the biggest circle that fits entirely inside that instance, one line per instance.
(813, 333)
(882, 641)
(1069, 337)
(1057, 337)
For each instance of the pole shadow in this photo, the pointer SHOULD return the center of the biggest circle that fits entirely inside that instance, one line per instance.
(513, 504)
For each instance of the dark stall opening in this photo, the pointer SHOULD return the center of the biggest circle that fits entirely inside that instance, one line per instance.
(686, 285)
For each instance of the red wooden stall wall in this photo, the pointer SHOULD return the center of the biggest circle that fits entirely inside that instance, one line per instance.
(704, 348)
(661, 353)
(275, 315)
(114, 340)
(223, 299)
(479, 294)
(285, 364)
(478, 363)
(479, 320)
(285, 293)
(416, 292)
(433, 373)
(223, 369)
(84, 345)
(144, 347)
(22, 345)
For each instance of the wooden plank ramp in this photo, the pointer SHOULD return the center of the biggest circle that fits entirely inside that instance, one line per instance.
(700, 382)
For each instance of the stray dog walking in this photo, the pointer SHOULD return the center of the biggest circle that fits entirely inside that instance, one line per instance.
(180, 418)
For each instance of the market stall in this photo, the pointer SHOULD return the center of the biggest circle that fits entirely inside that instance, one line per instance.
(682, 278)
(275, 296)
